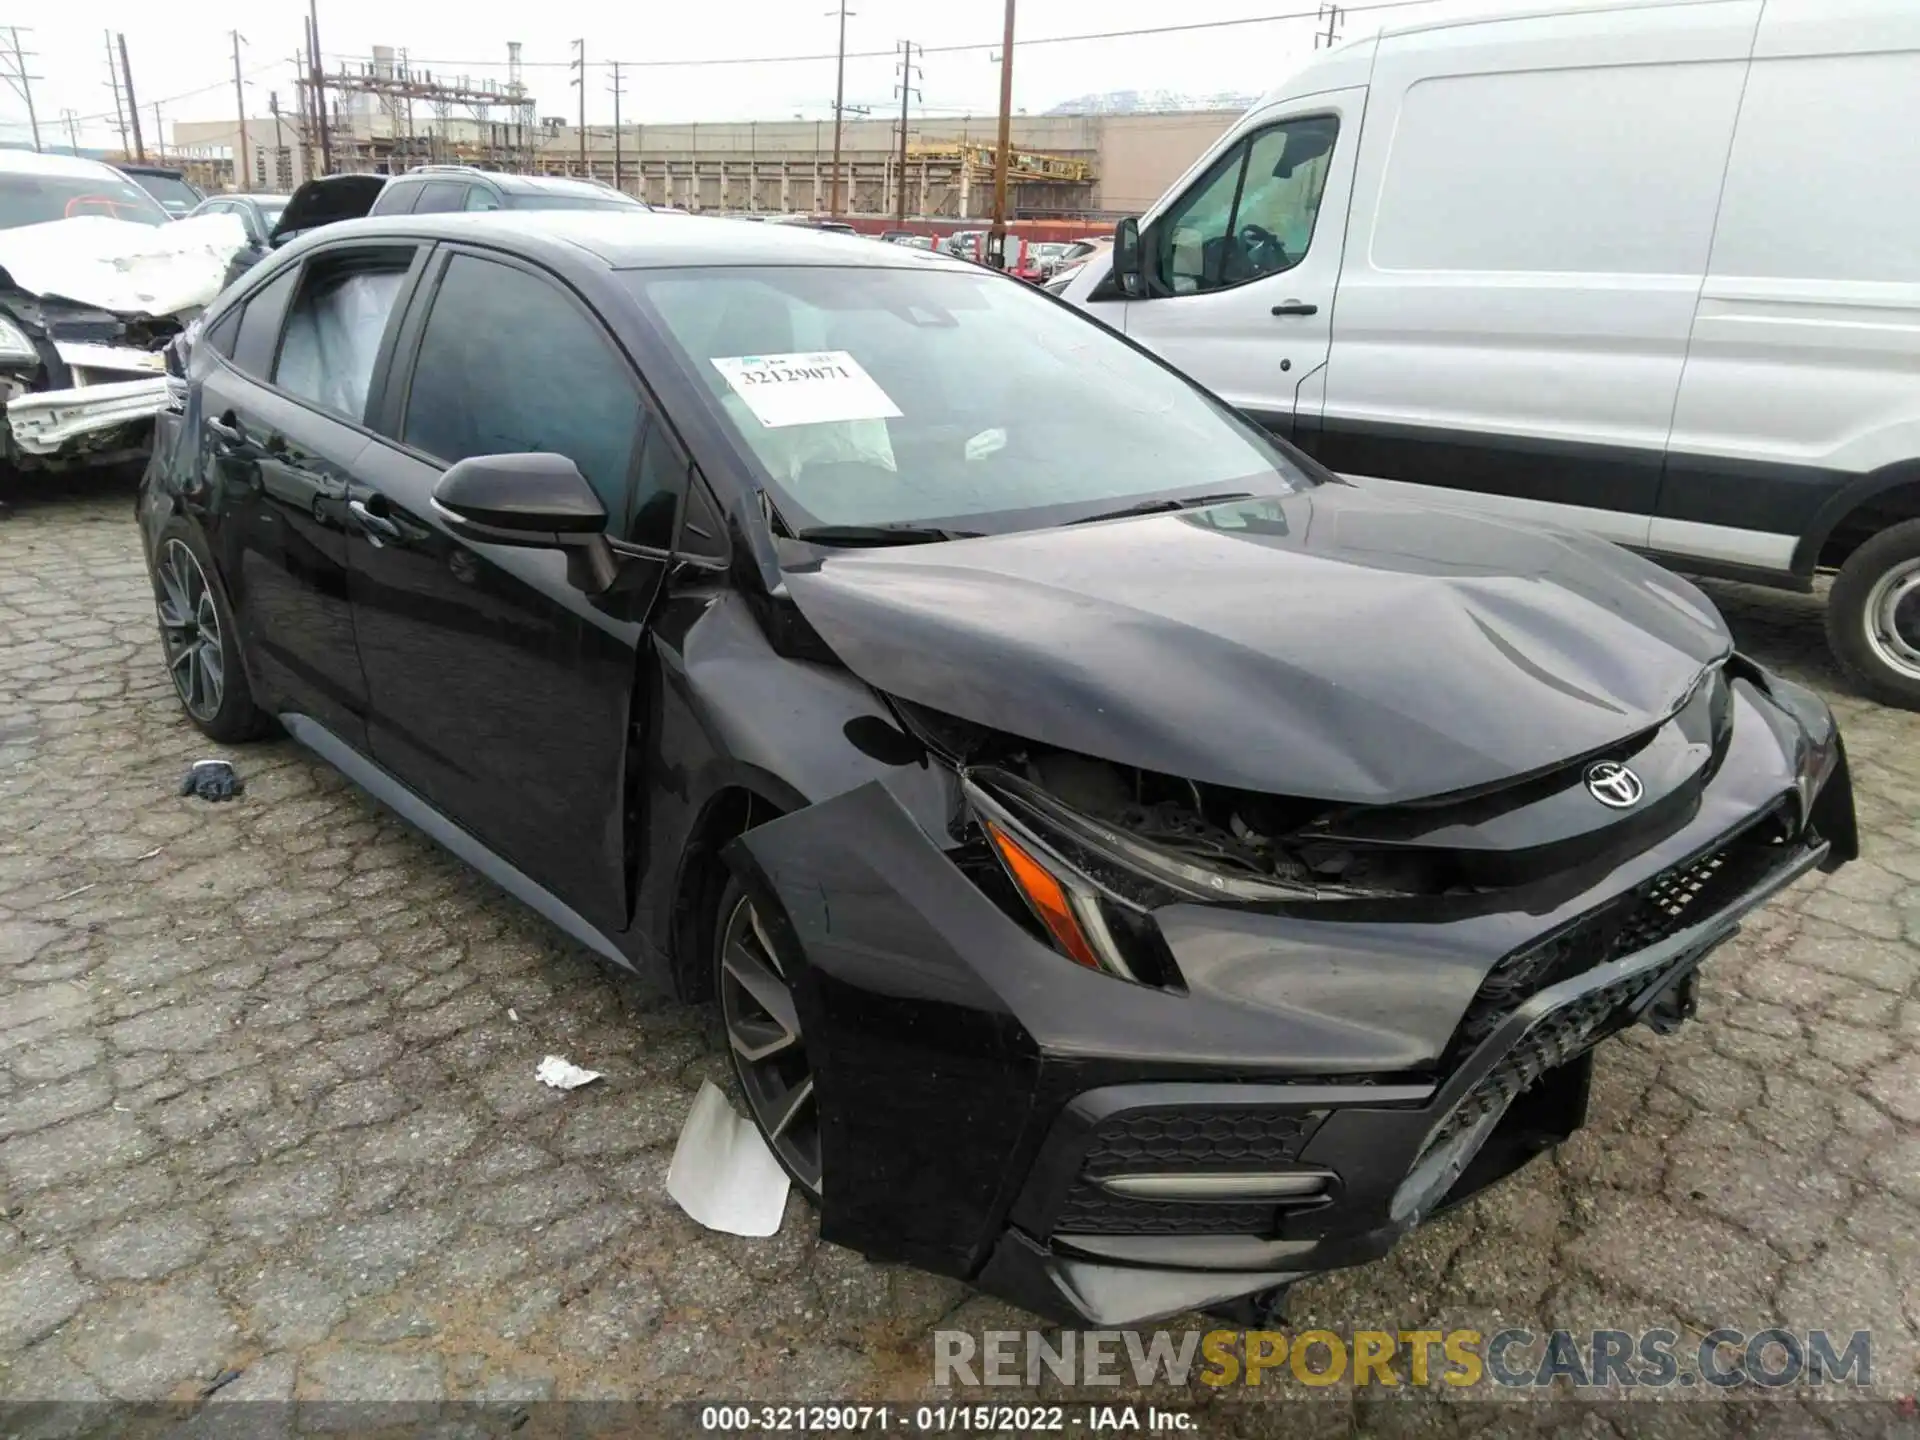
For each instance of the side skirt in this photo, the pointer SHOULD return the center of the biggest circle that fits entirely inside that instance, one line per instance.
(422, 816)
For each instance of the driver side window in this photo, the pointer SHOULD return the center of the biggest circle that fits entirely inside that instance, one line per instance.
(1254, 213)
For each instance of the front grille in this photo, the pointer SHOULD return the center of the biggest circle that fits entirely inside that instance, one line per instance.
(1653, 911)
(1183, 1139)
(1551, 1041)
(1179, 1137)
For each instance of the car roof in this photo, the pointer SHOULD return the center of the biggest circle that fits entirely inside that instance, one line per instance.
(643, 240)
(28, 162)
(510, 181)
(131, 168)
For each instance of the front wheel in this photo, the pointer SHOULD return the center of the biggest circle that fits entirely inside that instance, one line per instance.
(199, 639)
(1873, 615)
(763, 1037)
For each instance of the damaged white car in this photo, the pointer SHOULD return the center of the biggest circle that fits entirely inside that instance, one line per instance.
(95, 281)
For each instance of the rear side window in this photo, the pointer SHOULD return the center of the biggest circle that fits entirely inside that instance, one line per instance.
(336, 325)
(509, 363)
(260, 326)
(437, 196)
(220, 335)
(479, 197)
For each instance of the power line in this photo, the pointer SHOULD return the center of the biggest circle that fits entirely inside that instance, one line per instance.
(1317, 14)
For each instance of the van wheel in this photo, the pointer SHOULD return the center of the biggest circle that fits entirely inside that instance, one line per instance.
(1873, 615)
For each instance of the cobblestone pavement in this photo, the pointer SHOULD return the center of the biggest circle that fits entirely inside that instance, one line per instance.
(267, 1099)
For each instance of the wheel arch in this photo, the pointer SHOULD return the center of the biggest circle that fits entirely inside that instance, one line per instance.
(1857, 513)
(745, 799)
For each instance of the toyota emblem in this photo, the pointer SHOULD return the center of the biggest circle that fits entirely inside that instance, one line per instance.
(1614, 785)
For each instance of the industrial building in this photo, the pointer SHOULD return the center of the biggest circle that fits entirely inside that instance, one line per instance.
(385, 116)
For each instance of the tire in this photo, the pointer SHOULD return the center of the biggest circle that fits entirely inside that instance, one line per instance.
(764, 1045)
(200, 643)
(1873, 615)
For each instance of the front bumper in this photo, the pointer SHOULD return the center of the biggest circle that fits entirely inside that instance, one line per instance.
(116, 388)
(992, 1111)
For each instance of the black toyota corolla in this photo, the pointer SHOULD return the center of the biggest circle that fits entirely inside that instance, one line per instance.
(1135, 868)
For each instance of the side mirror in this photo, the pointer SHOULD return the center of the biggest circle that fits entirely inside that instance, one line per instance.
(1126, 259)
(535, 501)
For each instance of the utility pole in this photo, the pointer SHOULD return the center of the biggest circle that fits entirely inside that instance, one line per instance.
(133, 109)
(159, 134)
(113, 84)
(243, 157)
(1331, 16)
(839, 111)
(279, 140)
(319, 87)
(16, 75)
(907, 71)
(579, 63)
(997, 236)
(615, 87)
(73, 134)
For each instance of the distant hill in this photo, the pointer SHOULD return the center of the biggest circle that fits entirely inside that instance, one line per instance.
(1148, 102)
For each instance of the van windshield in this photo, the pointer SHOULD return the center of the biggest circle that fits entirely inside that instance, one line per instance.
(882, 396)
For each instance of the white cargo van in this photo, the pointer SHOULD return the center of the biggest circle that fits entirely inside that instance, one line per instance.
(1649, 270)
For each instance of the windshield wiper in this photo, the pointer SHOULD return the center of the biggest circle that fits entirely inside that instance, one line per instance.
(904, 534)
(1156, 507)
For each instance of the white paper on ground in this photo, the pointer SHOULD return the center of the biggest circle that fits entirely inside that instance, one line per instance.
(122, 266)
(563, 1074)
(805, 389)
(723, 1174)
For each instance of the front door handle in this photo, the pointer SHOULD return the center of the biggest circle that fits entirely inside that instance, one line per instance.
(377, 527)
(1296, 307)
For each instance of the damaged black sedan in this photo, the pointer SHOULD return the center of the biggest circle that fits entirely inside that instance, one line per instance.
(1134, 868)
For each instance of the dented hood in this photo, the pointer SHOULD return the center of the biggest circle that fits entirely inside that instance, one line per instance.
(1331, 644)
(121, 266)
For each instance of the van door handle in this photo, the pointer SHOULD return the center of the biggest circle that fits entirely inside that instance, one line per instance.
(1296, 307)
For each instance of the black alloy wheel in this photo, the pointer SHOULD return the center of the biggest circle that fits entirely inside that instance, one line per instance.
(190, 631)
(763, 1036)
(200, 640)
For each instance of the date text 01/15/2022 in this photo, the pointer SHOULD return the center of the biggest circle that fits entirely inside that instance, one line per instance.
(945, 1419)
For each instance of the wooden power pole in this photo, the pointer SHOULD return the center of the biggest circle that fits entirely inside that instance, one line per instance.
(839, 111)
(615, 87)
(907, 91)
(243, 157)
(997, 236)
(133, 109)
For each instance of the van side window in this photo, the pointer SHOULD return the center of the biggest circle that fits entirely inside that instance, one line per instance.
(1253, 214)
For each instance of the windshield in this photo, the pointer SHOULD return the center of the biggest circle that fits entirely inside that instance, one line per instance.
(877, 396)
(173, 193)
(558, 200)
(36, 199)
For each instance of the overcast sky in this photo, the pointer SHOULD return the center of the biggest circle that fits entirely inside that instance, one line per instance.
(182, 54)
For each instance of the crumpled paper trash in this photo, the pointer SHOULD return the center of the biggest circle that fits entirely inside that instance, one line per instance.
(563, 1074)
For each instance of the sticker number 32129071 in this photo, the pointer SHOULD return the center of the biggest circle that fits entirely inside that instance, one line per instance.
(805, 389)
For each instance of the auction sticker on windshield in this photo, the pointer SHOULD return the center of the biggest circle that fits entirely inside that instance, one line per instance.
(814, 389)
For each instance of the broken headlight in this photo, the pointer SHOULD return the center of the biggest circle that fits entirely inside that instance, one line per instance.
(15, 347)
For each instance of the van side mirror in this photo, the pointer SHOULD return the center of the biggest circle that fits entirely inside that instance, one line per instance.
(1126, 259)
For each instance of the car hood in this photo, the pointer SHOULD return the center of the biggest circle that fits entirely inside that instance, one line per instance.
(1330, 644)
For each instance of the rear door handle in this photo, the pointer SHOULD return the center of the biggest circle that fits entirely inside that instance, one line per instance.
(1296, 307)
(378, 527)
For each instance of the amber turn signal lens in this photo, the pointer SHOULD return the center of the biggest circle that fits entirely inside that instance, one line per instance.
(1045, 895)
